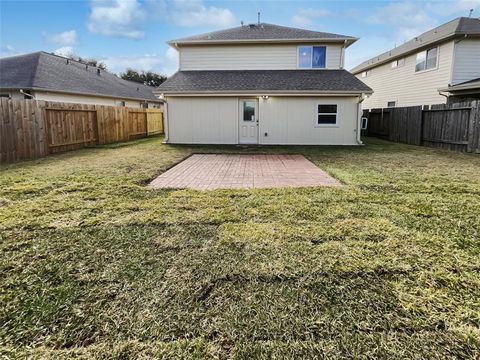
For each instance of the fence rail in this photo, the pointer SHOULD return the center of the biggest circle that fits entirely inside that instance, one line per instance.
(31, 129)
(454, 126)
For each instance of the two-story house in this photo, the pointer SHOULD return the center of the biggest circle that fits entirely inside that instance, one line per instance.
(263, 84)
(425, 70)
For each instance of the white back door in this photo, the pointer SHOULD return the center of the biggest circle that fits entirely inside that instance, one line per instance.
(248, 121)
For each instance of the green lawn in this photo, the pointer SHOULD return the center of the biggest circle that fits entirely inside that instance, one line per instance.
(94, 264)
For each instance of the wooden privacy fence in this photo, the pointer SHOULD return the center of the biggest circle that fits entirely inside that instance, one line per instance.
(30, 129)
(455, 126)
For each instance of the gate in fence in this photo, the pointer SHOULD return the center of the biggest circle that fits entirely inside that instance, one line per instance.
(30, 129)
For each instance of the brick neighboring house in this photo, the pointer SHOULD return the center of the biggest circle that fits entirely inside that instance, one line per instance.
(45, 76)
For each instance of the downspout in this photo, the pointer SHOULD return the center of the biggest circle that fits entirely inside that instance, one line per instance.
(165, 118)
(446, 96)
(359, 119)
(342, 55)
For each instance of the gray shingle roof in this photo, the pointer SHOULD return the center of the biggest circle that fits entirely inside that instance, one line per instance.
(259, 32)
(254, 81)
(458, 27)
(41, 70)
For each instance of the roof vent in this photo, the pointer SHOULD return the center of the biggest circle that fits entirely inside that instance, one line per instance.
(67, 61)
(98, 71)
(86, 67)
(251, 26)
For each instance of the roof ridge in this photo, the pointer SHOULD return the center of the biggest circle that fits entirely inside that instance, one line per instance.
(313, 31)
(34, 73)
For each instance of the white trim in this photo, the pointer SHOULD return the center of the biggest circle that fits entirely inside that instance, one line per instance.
(437, 60)
(317, 125)
(311, 57)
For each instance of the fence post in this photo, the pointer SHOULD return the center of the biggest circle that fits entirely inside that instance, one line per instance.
(473, 128)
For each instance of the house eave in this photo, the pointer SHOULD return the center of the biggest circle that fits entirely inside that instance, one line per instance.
(82, 93)
(263, 93)
(178, 43)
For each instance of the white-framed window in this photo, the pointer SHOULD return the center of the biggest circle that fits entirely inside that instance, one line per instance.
(365, 74)
(398, 63)
(119, 103)
(426, 59)
(391, 103)
(327, 115)
(311, 57)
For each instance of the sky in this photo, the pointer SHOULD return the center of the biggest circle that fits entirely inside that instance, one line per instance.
(133, 33)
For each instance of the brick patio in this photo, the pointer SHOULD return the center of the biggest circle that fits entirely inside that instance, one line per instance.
(223, 171)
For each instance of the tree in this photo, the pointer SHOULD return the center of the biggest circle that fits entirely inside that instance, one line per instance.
(92, 62)
(148, 78)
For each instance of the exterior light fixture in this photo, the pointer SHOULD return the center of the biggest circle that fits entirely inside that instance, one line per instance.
(265, 97)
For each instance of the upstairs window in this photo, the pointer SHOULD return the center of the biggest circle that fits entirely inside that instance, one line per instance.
(398, 63)
(312, 57)
(326, 114)
(426, 60)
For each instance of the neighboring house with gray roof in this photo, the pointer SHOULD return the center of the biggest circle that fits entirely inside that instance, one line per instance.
(263, 84)
(45, 76)
(421, 71)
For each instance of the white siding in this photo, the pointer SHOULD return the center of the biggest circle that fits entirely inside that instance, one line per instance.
(405, 86)
(249, 57)
(86, 99)
(286, 120)
(291, 120)
(202, 120)
(466, 63)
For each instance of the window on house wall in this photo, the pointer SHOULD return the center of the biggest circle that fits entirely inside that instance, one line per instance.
(249, 110)
(119, 103)
(312, 57)
(426, 60)
(391, 104)
(398, 63)
(326, 114)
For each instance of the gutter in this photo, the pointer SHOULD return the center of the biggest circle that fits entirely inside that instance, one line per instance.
(179, 42)
(263, 92)
(86, 94)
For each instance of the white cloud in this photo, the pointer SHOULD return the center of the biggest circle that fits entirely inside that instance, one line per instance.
(122, 18)
(366, 48)
(66, 51)
(408, 19)
(127, 18)
(459, 8)
(166, 64)
(306, 17)
(66, 38)
(8, 50)
(191, 13)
